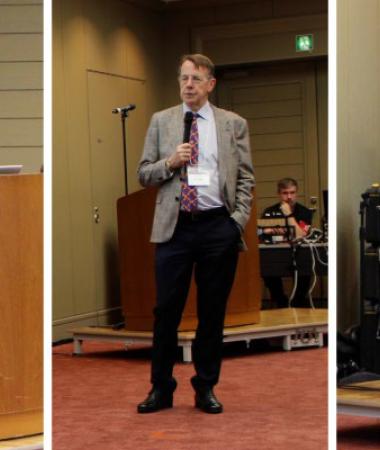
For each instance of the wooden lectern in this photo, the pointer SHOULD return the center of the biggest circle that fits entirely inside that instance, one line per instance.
(21, 305)
(136, 254)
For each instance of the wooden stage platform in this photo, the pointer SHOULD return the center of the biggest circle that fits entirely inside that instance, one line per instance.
(360, 399)
(298, 327)
(30, 438)
(31, 443)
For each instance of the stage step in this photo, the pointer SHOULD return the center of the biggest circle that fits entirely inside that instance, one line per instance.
(298, 327)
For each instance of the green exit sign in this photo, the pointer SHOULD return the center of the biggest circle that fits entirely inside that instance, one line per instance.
(304, 43)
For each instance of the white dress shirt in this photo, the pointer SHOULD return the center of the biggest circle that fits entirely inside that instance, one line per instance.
(208, 196)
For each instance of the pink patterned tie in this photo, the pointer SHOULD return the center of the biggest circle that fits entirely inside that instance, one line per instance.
(189, 194)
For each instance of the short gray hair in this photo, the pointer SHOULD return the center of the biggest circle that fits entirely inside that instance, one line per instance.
(199, 61)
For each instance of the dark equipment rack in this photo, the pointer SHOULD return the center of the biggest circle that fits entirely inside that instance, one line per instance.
(370, 279)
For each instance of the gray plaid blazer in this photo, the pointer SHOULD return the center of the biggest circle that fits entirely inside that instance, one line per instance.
(236, 177)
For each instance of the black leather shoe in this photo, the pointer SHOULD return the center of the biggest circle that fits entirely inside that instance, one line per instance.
(155, 401)
(207, 402)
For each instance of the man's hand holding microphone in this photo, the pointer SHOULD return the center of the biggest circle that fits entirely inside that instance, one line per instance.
(180, 157)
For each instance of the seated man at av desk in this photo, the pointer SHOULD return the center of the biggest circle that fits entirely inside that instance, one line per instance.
(299, 219)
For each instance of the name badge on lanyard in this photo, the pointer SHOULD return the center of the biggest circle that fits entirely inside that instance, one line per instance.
(197, 176)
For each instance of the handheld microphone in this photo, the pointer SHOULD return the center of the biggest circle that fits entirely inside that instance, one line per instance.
(188, 119)
(124, 109)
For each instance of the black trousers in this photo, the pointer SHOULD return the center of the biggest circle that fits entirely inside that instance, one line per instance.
(208, 244)
(276, 290)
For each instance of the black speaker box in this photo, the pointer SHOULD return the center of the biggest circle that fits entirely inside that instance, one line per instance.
(371, 276)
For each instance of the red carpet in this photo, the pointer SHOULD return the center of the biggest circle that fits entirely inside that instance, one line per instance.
(273, 400)
(358, 433)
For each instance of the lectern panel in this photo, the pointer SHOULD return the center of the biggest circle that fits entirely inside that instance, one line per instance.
(135, 217)
(21, 347)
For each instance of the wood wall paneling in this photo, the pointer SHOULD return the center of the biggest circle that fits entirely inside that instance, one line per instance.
(275, 173)
(322, 111)
(311, 144)
(12, 75)
(21, 132)
(280, 108)
(21, 84)
(247, 11)
(21, 18)
(30, 157)
(322, 117)
(105, 37)
(290, 24)
(21, 2)
(259, 41)
(259, 48)
(21, 47)
(286, 8)
(272, 141)
(278, 125)
(251, 8)
(277, 92)
(63, 291)
(76, 129)
(20, 104)
(282, 156)
(144, 47)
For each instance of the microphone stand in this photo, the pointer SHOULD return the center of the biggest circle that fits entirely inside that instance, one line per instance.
(123, 116)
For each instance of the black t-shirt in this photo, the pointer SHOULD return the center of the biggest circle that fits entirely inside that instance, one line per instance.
(300, 212)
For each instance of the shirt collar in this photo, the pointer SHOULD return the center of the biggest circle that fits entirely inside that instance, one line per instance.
(205, 112)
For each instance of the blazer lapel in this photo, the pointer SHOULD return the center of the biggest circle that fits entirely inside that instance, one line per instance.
(177, 125)
(223, 132)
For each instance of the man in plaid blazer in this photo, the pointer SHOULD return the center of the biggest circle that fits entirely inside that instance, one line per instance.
(202, 206)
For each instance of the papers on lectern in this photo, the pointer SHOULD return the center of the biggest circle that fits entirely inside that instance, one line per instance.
(14, 168)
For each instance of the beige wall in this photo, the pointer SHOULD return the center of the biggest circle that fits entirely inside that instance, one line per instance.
(112, 38)
(358, 153)
(21, 83)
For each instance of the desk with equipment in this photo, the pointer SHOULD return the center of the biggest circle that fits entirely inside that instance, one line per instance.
(281, 259)
(282, 255)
